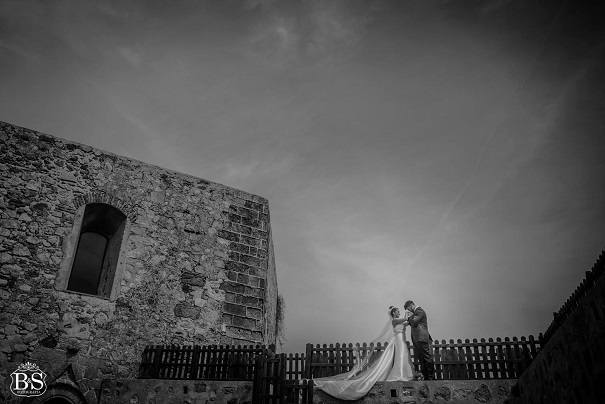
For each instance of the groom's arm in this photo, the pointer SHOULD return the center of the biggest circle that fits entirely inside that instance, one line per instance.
(415, 318)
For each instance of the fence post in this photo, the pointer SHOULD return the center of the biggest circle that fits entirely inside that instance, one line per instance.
(159, 349)
(145, 364)
(258, 378)
(195, 362)
(307, 363)
(282, 378)
(532, 348)
(338, 359)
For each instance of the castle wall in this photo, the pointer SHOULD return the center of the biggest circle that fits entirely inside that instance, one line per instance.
(571, 366)
(195, 264)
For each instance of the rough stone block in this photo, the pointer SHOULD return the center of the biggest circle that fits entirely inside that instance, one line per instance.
(251, 241)
(182, 310)
(228, 235)
(192, 278)
(243, 278)
(250, 260)
(236, 309)
(242, 248)
(254, 313)
(254, 205)
(237, 267)
(244, 322)
(233, 287)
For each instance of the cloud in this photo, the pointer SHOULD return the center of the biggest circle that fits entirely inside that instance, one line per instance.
(308, 32)
(495, 5)
(133, 57)
(21, 51)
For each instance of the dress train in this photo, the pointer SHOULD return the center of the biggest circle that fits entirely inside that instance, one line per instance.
(394, 364)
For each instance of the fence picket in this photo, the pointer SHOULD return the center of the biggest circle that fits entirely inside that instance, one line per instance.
(437, 360)
(479, 358)
(470, 363)
(518, 350)
(461, 360)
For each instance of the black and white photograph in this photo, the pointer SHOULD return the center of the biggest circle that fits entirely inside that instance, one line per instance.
(302, 201)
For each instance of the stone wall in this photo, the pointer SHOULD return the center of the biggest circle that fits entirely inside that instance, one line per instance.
(176, 391)
(196, 265)
(272, 293)
(427, 392)
(571, 366)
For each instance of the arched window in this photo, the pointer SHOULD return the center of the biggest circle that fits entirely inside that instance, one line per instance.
(96, 257)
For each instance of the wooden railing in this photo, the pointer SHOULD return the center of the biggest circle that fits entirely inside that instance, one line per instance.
(272, 386)
(333, 359)
(483, 359)
(569, 306)
(499, 359)
(213, 362)
(491, 359)
(288, 378)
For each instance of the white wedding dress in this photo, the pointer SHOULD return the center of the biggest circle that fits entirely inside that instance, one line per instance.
(394, 364)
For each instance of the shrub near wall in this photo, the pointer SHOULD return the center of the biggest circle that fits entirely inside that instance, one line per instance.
(194, 263)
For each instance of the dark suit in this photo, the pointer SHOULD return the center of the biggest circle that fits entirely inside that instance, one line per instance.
(422, 340)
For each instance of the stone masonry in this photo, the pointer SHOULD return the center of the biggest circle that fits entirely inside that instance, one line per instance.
(197, 262)
(429, 392)
(570, 369)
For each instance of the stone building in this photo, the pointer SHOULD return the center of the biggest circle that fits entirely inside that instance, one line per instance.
(101, 255)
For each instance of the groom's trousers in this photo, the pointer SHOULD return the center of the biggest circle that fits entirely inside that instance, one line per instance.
(423, 350)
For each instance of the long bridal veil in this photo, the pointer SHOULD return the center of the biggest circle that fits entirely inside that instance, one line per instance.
(365, 359)
(371, 365)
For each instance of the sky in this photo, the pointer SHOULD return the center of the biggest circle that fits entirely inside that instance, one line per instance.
(445, 152)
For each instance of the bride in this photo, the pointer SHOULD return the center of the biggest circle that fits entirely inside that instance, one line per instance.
(392, 364)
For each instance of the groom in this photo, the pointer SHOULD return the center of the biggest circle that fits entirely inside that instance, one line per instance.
(421, 339)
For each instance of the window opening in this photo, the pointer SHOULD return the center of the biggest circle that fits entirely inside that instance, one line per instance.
(96, 258)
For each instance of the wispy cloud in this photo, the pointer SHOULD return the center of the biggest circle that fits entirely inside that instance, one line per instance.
(134, 58)
(316, 32)
(21, 51)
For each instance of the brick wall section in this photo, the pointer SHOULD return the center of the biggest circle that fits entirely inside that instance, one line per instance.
(247, 268)
(270, 319)
(195, 259)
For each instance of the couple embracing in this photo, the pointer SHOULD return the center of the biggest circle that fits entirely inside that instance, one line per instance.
(393, 363)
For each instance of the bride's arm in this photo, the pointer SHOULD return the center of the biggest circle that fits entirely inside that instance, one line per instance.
(400, 320)
(415, 318)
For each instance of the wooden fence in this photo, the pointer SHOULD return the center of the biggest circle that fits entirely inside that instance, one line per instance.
(479, 359)
(213, 362)
(569, 306)
(499, 359)
(288, 378)
(329, 360)
(271, 385)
